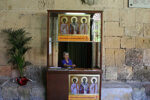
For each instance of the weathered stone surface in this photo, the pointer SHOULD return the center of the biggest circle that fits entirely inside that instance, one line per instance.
(141, 74)
(147, 90)
(125, 73)
(139, 94)
(0, 93)
(37, 98)
(127, 17)
(112, 42)
(137, 30)
(5, 71)
(146, 57)
(111, 73)
(125, 2)
(113, 29)
(112, 3)
(24, 93)
(128, 42)
(38, 92)
(111, 15)
(104, 72)
(141, 42)
(7, 98)
(9, 92)
(36, 73)
(116, 93)
(134, 57)
(78, 4)
(3, 4)
(109, 57)
(14, 20)
(119, 57)
(142, 15)
(3, 56)
(146, 30)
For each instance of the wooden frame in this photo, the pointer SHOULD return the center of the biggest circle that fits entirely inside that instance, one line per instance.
(101, 43)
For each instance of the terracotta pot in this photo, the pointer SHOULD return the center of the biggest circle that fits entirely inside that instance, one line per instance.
(22, 80)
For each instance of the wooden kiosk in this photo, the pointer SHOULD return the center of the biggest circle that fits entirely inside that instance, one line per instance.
(80, 34)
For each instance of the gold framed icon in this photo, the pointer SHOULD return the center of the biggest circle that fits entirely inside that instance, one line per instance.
(73, 27)
(83, 86)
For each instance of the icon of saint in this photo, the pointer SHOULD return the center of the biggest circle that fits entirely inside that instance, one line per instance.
(93, 86)
(75, 86)
(84, 87)
(84, 26)
(74, 27)
(64, 26)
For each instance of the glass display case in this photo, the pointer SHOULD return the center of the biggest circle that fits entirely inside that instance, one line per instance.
(74, 52)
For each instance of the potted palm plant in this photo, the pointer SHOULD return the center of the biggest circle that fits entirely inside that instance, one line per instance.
(18, 46)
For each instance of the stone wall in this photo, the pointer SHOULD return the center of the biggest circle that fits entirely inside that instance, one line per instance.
(126, 32)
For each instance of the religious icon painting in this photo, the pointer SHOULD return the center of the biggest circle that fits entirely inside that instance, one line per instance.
(73, 27)
(84, 87)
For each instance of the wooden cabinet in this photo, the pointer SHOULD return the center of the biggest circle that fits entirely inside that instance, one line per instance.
(58, 82)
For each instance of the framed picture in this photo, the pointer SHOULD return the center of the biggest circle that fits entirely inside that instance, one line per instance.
(84, 87)
(73, 27)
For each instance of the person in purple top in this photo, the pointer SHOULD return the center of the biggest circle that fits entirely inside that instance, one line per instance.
(67, 63)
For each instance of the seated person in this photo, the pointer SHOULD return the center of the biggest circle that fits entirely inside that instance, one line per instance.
(67, 63)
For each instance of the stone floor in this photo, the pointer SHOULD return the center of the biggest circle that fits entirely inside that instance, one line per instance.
(110, 91)
(32, 91)
(126, 91)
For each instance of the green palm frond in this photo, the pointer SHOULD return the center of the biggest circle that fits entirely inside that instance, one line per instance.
(17, 41)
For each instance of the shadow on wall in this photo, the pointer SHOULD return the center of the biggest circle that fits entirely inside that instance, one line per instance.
(36, 73)
(34, 23)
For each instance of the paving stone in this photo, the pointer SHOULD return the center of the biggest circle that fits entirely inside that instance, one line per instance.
(9, 98)
(116, 93)
(139, 94)
(37, 98)
(9, 92)
(24, 93)
(147, 90)
(37, 92)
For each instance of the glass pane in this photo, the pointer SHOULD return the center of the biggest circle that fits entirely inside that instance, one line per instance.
(76, 37)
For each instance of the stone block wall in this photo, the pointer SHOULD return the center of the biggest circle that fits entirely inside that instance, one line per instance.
(126, 33)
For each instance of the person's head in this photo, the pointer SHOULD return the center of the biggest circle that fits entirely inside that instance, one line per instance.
(64, 20)
(74, 80)
(84, 80)
(83, 20)
(94, 80)
(74, 20)
(66, 55)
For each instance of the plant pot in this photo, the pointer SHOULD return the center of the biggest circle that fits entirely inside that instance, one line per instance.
(22, 80)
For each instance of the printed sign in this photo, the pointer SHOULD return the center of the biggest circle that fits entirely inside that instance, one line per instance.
(139, 3)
